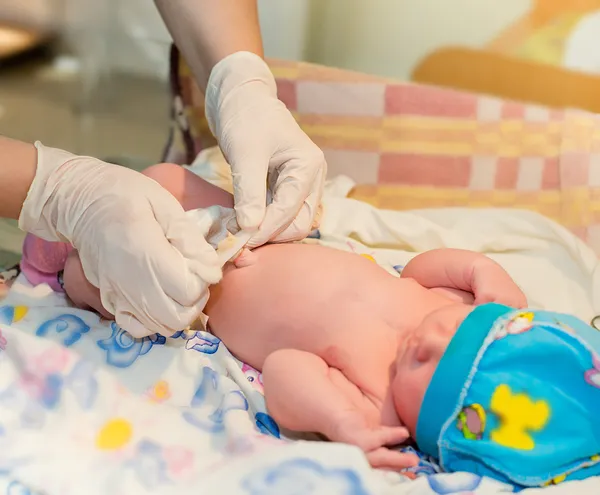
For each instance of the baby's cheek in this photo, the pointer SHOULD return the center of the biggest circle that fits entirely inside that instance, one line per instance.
(411, 380)
(408, 391)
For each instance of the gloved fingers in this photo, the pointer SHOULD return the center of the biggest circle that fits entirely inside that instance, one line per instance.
(165, 318)
(309, 216)
(297, 181)
(190, 241)
(215, 222)
(128, 322)
(302, 224)
(249, 175)
(181, 231)
(180, 279)
(187, 284)
(180, 258)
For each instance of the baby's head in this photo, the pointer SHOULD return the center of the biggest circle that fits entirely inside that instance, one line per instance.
(418, 356)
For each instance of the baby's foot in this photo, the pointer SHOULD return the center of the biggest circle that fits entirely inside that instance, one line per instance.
(43, 260)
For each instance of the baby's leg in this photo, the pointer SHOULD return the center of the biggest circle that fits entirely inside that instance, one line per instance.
(82, 294)
(189, 189)
(42, 261)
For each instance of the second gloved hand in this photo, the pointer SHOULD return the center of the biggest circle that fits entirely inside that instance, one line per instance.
(151, 263)
(270, 156)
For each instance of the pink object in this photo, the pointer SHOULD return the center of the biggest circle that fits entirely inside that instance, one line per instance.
(180, 460)
(253, 376)
(42, 260)
(51, 360)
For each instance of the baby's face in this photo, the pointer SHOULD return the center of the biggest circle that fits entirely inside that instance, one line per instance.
(418, 357)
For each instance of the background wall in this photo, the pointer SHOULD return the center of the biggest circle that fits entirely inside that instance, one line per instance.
(388, 37)
(129, 35)
(31, 11)
(385, 37)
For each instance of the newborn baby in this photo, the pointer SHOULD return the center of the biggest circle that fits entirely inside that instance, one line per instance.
(354, 353)
(324, 326)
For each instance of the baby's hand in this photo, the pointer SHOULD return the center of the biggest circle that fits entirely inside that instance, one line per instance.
(511, 297)
(493, 284)
(376, 443)
(505, 292)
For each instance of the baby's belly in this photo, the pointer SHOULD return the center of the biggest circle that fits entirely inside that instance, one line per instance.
(300, 296)
(312, 298)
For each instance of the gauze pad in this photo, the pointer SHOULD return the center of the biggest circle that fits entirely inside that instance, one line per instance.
(221, 230)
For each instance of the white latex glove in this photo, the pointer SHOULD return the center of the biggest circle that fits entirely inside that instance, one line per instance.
(150, 261)
(272, 160)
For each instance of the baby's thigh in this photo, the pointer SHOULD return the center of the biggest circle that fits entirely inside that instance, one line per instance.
(82, 294)
(189, 189)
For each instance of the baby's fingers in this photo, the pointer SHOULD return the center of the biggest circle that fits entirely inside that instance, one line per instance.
(383, 458)
(385, 436)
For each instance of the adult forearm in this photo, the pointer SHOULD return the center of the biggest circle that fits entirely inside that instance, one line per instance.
(207, 31)
(17, 169)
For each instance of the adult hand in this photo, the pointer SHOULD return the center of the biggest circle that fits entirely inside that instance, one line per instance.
(151, 263)
(278, 172)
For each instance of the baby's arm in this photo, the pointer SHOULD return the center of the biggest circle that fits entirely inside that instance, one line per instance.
(466, 271)
(304, 394)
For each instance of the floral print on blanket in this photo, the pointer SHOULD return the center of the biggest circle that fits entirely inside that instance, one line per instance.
(68, 327)
(210, 403)
(42, 381)
(12, 314)
(303, 477)
(203, 342)
(122, 350)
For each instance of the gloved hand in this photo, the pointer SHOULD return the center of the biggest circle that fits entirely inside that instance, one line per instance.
(271, 158)
(151, 262)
